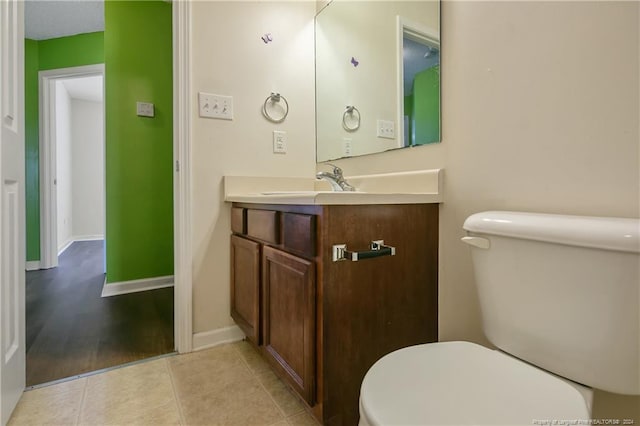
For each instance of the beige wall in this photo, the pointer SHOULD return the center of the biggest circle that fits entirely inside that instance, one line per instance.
(229, 58)
(540, 113)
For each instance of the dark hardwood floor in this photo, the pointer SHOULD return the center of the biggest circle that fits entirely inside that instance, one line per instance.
(72, 330)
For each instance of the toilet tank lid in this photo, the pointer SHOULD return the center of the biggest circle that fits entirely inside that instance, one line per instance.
(607, 233)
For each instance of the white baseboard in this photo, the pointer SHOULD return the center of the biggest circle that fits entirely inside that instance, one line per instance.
(32, 265)
(65, 246)
(209, 339)
(134, 286)
(88, 237)
(79, 238)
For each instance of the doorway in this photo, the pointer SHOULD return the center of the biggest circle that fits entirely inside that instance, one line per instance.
(72, 189)
(12, 150)
(131, 259)
(70, 328)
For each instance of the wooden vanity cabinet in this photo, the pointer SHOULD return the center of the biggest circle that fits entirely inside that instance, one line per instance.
(322, 324)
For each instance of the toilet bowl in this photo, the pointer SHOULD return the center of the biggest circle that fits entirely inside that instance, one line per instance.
(462, 383)
(556, 293)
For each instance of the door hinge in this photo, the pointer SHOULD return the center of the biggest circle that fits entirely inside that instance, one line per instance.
(177, 166)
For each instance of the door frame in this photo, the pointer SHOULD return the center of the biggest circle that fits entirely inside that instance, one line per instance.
(182, 264)
(183, 287)
(48, 144)
(182, 182)
(425, 35)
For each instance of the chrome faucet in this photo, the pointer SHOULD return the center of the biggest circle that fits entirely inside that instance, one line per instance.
(336, 179)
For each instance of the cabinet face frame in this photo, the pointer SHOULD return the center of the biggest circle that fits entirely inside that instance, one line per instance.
(250, 324)
(303, 380)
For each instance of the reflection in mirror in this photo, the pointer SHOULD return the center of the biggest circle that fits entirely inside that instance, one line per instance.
(361, 62)
(420, 85)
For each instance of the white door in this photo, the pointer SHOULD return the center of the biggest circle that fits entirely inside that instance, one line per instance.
(12, 207)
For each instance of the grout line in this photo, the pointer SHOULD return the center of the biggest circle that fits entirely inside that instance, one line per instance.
(103, 370)
(84, 395)
(183, 421)
(255, 374)
(255, 377)
(244, 361)
(284, 415)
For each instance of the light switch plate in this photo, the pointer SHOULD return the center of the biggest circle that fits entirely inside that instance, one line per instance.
(145, 109)
(386, 129)
(215, 106)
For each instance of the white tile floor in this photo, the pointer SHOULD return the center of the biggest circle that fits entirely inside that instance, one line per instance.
(227, 385)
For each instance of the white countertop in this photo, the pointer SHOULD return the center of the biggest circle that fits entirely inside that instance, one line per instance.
(420, 187)
(334, 198)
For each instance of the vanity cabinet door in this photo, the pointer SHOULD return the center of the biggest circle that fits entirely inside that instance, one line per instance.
(245, 286)
(289, 318)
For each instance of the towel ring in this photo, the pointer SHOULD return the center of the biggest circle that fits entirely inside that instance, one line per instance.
(356, 121)
(275, 98)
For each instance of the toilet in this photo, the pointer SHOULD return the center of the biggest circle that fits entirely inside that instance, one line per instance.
(559, 297)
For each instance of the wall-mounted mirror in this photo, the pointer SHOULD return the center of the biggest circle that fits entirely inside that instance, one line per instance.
(377, 76)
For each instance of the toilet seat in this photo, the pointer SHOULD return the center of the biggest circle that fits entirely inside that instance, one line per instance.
(463, 383)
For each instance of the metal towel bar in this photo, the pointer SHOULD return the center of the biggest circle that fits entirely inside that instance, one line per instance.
(377, 249)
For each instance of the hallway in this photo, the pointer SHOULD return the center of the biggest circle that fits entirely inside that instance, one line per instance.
(71, 330)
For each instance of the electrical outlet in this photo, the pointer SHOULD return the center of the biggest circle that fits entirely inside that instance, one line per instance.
(215, 106)
(386, 129)
(279, 142)
(145, 109)
(347, 146)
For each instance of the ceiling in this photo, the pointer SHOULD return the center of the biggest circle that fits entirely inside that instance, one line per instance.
(51, 19)
(46, 19)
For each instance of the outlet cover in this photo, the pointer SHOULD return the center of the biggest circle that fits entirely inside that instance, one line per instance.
(279, 142)
(347, 146)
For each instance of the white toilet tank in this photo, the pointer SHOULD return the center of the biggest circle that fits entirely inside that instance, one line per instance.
(562, 292)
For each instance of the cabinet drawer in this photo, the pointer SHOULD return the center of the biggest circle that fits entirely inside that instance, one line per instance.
(263, 225)
(239, 220)
(299, 233)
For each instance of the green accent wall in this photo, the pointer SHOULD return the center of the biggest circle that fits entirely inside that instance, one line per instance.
(408, 112)
(72, 51)
(63, 52)
(426, 107)
(139, 150)
(32, 149)
(136, 48)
